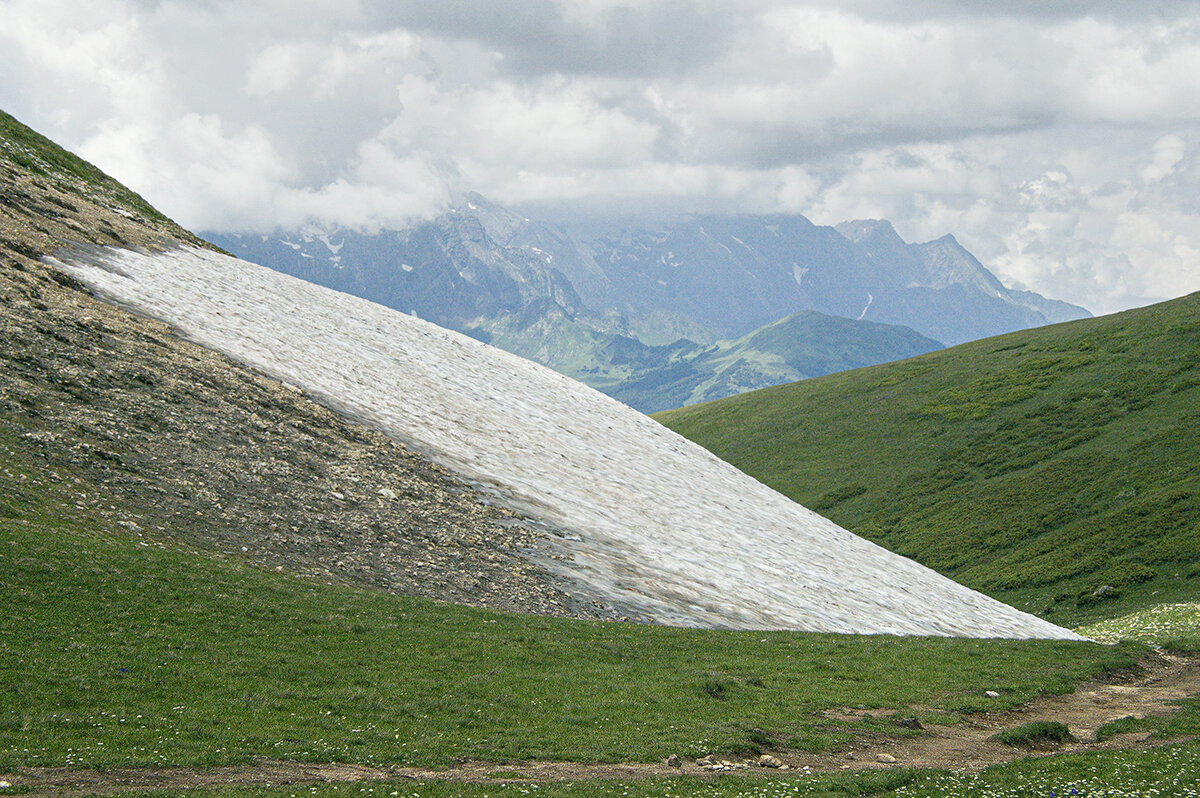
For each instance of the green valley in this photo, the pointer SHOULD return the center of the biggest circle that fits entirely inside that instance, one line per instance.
(1052, 468)
(163, 618)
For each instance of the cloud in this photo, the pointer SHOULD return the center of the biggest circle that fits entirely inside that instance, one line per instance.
(1119, 10)
(1107, 233)
(1054, 139)
(578, 37)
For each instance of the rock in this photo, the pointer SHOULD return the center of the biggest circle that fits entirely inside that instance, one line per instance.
(387, 493)
(886, 759)
(705, 760)
(908, 723)
(768, 761)
(991, 694)
(673, 761)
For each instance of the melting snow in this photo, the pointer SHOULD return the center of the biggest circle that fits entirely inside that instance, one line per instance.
(644, 516)
(798, 273)
(870, 299)
(333, 248)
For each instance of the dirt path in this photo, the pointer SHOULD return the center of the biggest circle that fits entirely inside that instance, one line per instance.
(967, 746)
(964, 746)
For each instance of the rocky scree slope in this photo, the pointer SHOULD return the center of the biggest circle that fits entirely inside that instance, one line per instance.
(181, 446)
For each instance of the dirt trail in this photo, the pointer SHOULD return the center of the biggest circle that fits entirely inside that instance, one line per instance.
(967, 746)
(964, 746)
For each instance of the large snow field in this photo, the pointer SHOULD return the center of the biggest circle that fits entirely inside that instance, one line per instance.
(640, 515)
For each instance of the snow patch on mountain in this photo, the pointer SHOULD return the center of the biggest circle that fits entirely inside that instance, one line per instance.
(870, 299)
(638, 513)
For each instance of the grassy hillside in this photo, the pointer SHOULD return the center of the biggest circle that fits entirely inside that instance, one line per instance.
(1054, 468)
(159, 613)
(119, 649)
(52, 197)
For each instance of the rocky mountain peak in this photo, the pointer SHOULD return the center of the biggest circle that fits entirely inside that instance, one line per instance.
(876, 231)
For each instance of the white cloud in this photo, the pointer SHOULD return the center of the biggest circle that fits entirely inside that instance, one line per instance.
(1168, 153)
(274, 71)
(1057, 141)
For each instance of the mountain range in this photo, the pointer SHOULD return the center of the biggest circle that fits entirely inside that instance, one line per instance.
(635, 309)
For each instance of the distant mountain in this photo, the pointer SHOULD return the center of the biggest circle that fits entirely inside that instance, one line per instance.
(733, 274)
(807, 344)
(928, 281)
(655, 297)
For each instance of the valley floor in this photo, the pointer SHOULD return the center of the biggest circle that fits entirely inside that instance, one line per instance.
(1153, 690)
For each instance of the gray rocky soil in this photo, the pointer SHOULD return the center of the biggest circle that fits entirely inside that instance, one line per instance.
(181, 446)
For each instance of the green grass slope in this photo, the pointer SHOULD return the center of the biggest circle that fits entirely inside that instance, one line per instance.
(1056, 468)
(125, 645)
(116, 650)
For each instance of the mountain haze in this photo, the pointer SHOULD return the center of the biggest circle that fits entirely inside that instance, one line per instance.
(575, 298)
(807, 344)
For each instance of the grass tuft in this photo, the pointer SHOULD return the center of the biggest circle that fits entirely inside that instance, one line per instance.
(1036, 735)
(1123, 725)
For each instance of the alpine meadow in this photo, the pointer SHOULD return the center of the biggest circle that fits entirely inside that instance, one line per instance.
(223, 580)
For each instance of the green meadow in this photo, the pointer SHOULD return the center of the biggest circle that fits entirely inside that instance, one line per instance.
(1053, 468)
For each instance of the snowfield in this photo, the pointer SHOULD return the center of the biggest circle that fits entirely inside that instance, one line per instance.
(637, 514)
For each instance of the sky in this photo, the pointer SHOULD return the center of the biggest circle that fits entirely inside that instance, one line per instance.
(1058, 141)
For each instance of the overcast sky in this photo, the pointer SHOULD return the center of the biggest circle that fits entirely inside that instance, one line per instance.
(1056, 140)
